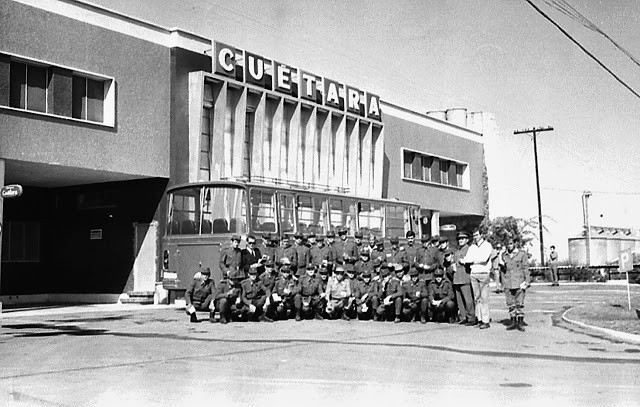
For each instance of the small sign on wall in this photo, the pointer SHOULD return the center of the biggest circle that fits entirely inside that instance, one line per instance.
(95, 234)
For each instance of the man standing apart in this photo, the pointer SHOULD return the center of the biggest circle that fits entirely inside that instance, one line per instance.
(479, 259)
(516, 279)
(553, 266)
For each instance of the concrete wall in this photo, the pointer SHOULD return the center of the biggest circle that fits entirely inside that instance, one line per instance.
(138, 143)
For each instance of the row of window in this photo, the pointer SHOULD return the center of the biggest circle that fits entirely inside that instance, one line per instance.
(428, 168)
(224, 210)
(52, 90)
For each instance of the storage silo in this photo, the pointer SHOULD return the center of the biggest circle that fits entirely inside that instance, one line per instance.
(438, 114)
(457, 116)
(475, 121)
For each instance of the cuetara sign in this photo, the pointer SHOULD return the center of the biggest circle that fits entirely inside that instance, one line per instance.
(273, 75)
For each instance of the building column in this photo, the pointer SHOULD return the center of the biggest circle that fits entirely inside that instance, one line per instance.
(310, 159)
(351, 161)
(324, 138)
(276, 139)
(435, 223)
(365, 163)
(2, 171)
(196, 100)
(218, 134)
(259, 134)
(239, 133)
(378, 161)
(339, 150)
(294, 145)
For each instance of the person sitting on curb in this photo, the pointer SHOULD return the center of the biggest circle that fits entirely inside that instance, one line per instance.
(199, 295)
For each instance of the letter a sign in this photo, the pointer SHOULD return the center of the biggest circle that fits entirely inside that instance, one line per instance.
(625, 261)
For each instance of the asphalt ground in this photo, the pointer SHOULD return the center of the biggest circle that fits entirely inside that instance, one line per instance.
(151, 355)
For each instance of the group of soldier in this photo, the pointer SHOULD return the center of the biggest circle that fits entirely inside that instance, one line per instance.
(340, 278)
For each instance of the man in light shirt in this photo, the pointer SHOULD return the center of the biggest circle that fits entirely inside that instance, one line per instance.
(479, 259)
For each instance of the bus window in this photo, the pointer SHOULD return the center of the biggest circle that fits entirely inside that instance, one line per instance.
(224, 210)
(263, 211)
(370, 218)
(311, 214)
(184, 212)
(342, 214)
(397, 221)
(287, 220)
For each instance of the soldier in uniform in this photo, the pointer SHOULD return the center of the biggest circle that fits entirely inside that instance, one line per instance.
(441, 302)
(288, 251)
(516, 279)
(331, 244)
(308, 296)
(250, 255)
(338, 295)
(231, 257)
(379, 252)
(367, 296)
(350, 273)
(310, 241)
(415, 301)
(199, 296)
(271, 244)
(320, 253)
(254, 296)
(345, 249)
(363, 264)
(282, 303)
(410, 249)
(302, 252)
(393, 295)
(426, 261)
(358, 247)
(228, 296)
(323, 273)
(443, 247)
(372, 245)
(462, 282)
(396, 254)
(270, 275)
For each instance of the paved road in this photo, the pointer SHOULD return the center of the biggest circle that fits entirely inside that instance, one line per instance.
(110, 356)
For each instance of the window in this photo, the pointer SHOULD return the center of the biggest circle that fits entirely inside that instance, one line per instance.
(370, 218)
(397, 221)
(205, 145)
(433, 169)
(263, 211)
(311, 214)
(21, 242)
(183, 211)
(342, 214)
(287, 220)
(49, 89)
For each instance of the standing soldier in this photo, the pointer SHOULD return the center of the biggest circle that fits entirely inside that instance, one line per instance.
(228, 296)
(443, 246)
(302, 253)
(288, 251)
(396, 254)
(367, 296)
(425, 261)
(332, 245)
(338, 295)
(320, 253)
(393, 294)
(308, 296)
(553, 266)
(410, 249)
(199, 296)
(462, 282)
(516, 279)
(345, 247)
(350, 273)
(378, 251)
(358, 247)
(372, 245)
(271, 245)
(283, 293)
(311, 240)
(254, 296)
(415, 301)
(250, 255)
(231, 256)
(323, 280)
(441, 298)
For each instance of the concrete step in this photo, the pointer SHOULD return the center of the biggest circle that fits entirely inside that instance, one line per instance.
(141, 294)
(137, 300)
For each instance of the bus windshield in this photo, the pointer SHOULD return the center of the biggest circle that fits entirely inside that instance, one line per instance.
(207, 210)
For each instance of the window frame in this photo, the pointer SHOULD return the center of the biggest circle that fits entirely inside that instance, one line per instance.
(436, 160)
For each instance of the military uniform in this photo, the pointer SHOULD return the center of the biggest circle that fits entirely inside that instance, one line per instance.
(228, 296)
(282, 303)
(415, 301)
(393, 296)
(307, 299)
(302, 254)
(426, 261)
(462, 284)
(271, 245)
(441, 291)
(230, 258)
(200, 295)
(254, 293)
(288, 251)
(338, 295)
(515, 278)
(396, 254)
(363, 266)
(367, 296)
(268, 278)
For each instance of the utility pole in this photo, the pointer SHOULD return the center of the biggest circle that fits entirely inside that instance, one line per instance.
(535, 131)
(587, 228)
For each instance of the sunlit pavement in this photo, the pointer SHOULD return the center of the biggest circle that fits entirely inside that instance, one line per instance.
(135, 355)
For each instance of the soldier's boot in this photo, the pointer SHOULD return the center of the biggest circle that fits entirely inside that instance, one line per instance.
(223, 319)
(319, 316)
(397, 320)
(519, 323)
(298, 317)
(423, 319)
(193, 317)
(345, 317)
(376, 317)
(264, 318)
(212, 316)
(513, 325)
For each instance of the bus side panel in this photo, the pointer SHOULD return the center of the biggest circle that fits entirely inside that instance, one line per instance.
(190, 257)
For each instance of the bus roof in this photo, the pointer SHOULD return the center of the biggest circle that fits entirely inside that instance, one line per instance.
(283, 188)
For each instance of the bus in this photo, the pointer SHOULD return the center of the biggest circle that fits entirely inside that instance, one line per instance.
(202, 217)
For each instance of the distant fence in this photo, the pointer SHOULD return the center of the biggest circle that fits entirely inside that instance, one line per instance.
(584, 273)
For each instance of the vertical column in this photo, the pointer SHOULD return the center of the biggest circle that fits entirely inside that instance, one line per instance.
(276, 144)
(435, 223)
(259, 134)
(2, 169)
(310, 159)
(239, 132)
(196, 99)
(365, 163)
(340, 128)
(294, 144)
(378, 160)
(353, 138)
(324, 138)
(218, 133)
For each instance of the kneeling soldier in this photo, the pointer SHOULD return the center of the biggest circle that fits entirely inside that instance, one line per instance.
(415, 298)
(199, 296)
(254, 296)
(441, 305)
(283, 294)
(393, 294)
(307, 298)
(338, 295)
(367, 296)
(228, 296)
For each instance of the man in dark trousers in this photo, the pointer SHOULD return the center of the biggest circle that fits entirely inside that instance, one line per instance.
(393, 294)
(302, 253)
(199, 295)
(411, 249)
(414, 303)
(462, 282)
(283, 294)
(367, 296)
(231, 257)
(516, 279)
(254, 296)
(553, 266)
(320, 252)
(228, 296)
(308, 296)
(250, 255)
(441, 298)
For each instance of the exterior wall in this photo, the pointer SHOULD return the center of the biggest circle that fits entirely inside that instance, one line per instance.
(138, 144)
(449, 141)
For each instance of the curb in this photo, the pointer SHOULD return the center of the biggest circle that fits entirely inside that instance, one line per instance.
(82, 309)
(616, 334)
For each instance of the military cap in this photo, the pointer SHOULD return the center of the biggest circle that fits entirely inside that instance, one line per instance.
(425, 238)
(397, 267)
(448, 252)
(286, 236)
(236, 237)
(377, 262)
(311, 235)
(323, 270)
(395, 240)
(253, 269)
(366, 274)
(413, 272)
(364, 253)
(285, 261)
(297, 235)
(331, 233)
(285, 268)
(319, 238)
(269, 263)
(311, 267)
(358, 235)
(438, 272)
(462, 235)
(274, 238)
(443, 239)
(411, 233)
(266, 236)
(342, 231)
(435, 238)
(206, 271)
(339, 269)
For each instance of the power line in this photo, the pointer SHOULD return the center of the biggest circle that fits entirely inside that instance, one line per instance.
(623, 83)
(629, 193)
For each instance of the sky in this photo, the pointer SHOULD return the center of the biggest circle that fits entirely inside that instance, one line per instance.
(497, 56)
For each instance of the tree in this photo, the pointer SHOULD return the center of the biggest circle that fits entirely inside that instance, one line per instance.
(501, 229)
